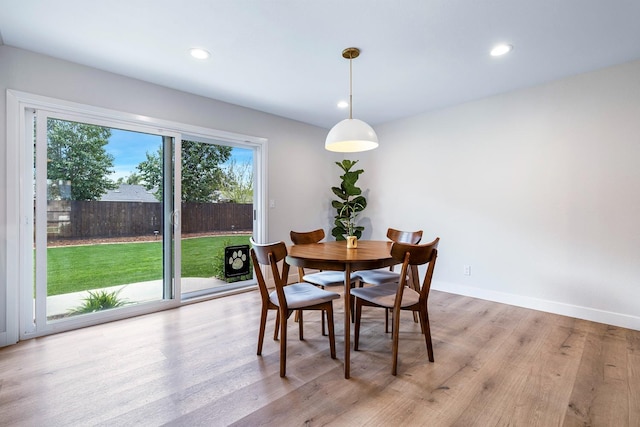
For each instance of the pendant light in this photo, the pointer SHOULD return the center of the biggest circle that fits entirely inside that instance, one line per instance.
(351, 135)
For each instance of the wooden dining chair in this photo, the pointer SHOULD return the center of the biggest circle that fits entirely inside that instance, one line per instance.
(287, 298)
(403, 296)
(388, 275)
(319, 278)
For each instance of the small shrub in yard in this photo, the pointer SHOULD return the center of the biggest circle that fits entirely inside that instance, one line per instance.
(99, 300)
(217, 263)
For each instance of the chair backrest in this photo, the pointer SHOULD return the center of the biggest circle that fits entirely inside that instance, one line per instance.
(412, 237)
(270, 254)
(412, 256)
(302, 237)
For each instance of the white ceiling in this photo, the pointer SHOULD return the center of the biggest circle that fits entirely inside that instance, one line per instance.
(284, 56)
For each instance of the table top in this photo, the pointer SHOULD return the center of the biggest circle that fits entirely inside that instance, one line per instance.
(368, 255)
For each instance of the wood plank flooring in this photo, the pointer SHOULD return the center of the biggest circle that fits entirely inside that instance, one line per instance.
(495, 365)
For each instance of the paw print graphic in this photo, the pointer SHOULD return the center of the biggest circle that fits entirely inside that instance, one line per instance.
(237, 260)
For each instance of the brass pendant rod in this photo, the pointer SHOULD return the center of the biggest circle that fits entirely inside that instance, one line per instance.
(350, 88)
(350, 53)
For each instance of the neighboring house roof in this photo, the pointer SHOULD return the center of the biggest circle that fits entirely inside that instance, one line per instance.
(129, 193)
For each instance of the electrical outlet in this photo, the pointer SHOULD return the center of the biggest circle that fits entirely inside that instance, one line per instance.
(467, 270)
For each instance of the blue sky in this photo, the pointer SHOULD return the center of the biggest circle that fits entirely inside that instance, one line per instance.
(130, 148)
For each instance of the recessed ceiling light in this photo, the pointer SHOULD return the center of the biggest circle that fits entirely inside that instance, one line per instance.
(343, 104)
(199, 53)
(501, 49)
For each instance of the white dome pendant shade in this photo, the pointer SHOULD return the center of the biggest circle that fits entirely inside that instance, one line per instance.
(351, 135)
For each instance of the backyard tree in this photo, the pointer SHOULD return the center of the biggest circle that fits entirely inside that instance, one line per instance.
(76, 154)
(132, 179)
(202, 175)
(238, 184)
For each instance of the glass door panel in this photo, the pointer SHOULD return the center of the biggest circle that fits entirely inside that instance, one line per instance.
(217, 214)
(102, 235)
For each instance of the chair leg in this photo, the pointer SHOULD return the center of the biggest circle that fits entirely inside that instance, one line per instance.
(396, 335)
(424, 316)
(351, 304)
(277, 329)
(300, 325)
(415, 287)
(324, 333)
(386, 320)
(263, 325)
(283, 345)
(356, 328)
(323, 327)
(332, 336)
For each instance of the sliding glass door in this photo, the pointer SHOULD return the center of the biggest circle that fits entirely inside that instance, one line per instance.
(121, 215)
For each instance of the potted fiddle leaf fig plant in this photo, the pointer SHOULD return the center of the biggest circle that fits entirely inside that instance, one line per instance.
(350, 204)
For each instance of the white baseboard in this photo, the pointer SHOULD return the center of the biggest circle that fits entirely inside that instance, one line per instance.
(586, 313)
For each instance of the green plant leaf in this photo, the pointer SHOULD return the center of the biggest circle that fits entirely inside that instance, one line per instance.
(346, 164)
(338, 233)
(340, 193)
(359, 203)
(338, 206)
(351, 189)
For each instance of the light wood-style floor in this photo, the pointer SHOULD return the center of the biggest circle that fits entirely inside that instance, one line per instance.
(495, 365)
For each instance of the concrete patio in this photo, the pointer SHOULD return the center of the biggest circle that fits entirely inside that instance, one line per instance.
(58, 305)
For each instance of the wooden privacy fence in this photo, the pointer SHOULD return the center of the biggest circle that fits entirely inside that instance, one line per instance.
(69, 219)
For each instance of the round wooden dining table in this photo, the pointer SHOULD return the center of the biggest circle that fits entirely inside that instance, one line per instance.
(370, 254)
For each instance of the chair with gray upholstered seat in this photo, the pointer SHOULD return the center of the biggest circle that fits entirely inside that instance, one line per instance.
(287, 298)
(383, 276)
(402, 296)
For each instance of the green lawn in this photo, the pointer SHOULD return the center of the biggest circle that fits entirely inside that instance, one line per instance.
(79, 268)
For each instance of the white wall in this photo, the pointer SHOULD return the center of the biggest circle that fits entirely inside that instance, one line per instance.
(538, 190)
(299, 169)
